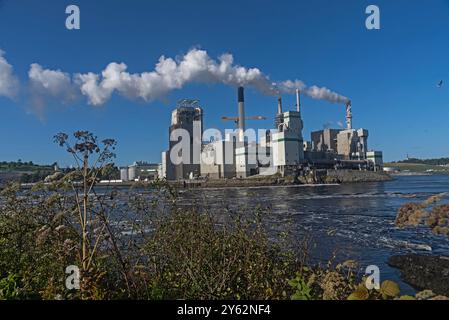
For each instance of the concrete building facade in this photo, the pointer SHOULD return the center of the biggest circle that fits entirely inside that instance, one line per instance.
(287, 144)
(218, 159)
(324, 140)
(182, 163)
(246, 160)
(352, 144)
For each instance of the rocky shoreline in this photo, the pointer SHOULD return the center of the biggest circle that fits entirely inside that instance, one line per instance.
(314, 177)
(424, 272)
(352, 176)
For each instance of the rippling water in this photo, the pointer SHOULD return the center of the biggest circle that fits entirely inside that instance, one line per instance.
(356, 221)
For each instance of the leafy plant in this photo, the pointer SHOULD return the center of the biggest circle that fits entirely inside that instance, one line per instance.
(302, 289)
(9, 288)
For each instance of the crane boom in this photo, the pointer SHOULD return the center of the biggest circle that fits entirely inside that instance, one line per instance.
(246, 118)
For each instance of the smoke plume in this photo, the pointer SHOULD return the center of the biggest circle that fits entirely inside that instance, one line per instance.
(169, 74)
(195, 66)
(325, 94)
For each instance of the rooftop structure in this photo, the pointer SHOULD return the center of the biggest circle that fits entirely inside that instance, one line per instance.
(287, 143)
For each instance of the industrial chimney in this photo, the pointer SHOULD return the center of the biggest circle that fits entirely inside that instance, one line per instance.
(279, 105)
(298, 102)
(348, 115)
(241, 107)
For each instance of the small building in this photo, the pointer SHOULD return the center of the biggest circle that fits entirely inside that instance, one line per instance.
(287, 143)
(124, 174)
(141, 170)
(376, 158)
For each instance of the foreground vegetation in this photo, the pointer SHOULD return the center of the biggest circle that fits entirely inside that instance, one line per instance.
(187, 254)
(147, 245)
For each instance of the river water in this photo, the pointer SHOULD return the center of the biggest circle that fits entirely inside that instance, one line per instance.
(353, 221)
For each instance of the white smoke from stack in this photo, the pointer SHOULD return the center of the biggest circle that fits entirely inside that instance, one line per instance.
(195, 66)
(325, 94)
(169, 74)
(314, 92)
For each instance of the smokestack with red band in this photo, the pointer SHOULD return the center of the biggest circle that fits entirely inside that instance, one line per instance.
(241, 107)
(348, 115)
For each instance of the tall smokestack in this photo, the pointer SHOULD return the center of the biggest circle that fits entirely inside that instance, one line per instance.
(298, 102)
(241, 107)
(279, 105)
(348, 115)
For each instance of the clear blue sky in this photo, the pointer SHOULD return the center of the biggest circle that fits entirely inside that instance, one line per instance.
(389, 74)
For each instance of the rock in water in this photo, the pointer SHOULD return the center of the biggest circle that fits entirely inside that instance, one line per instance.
(424, 272)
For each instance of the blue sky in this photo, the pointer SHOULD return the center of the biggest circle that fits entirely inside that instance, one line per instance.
(389, 74)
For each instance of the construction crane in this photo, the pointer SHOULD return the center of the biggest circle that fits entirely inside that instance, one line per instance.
(236, 119)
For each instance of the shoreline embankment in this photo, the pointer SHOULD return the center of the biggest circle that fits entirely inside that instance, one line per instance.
(314, 177)
(319, 177)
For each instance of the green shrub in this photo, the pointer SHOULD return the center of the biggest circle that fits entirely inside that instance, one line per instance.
(193, 257)
(9, 287)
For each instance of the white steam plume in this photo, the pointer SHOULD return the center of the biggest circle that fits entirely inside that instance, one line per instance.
(169, 74)
(9, 83)
(195, 66)
(325, 94)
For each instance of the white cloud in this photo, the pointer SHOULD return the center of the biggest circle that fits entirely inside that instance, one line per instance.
(9, 83)
(46, 84)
